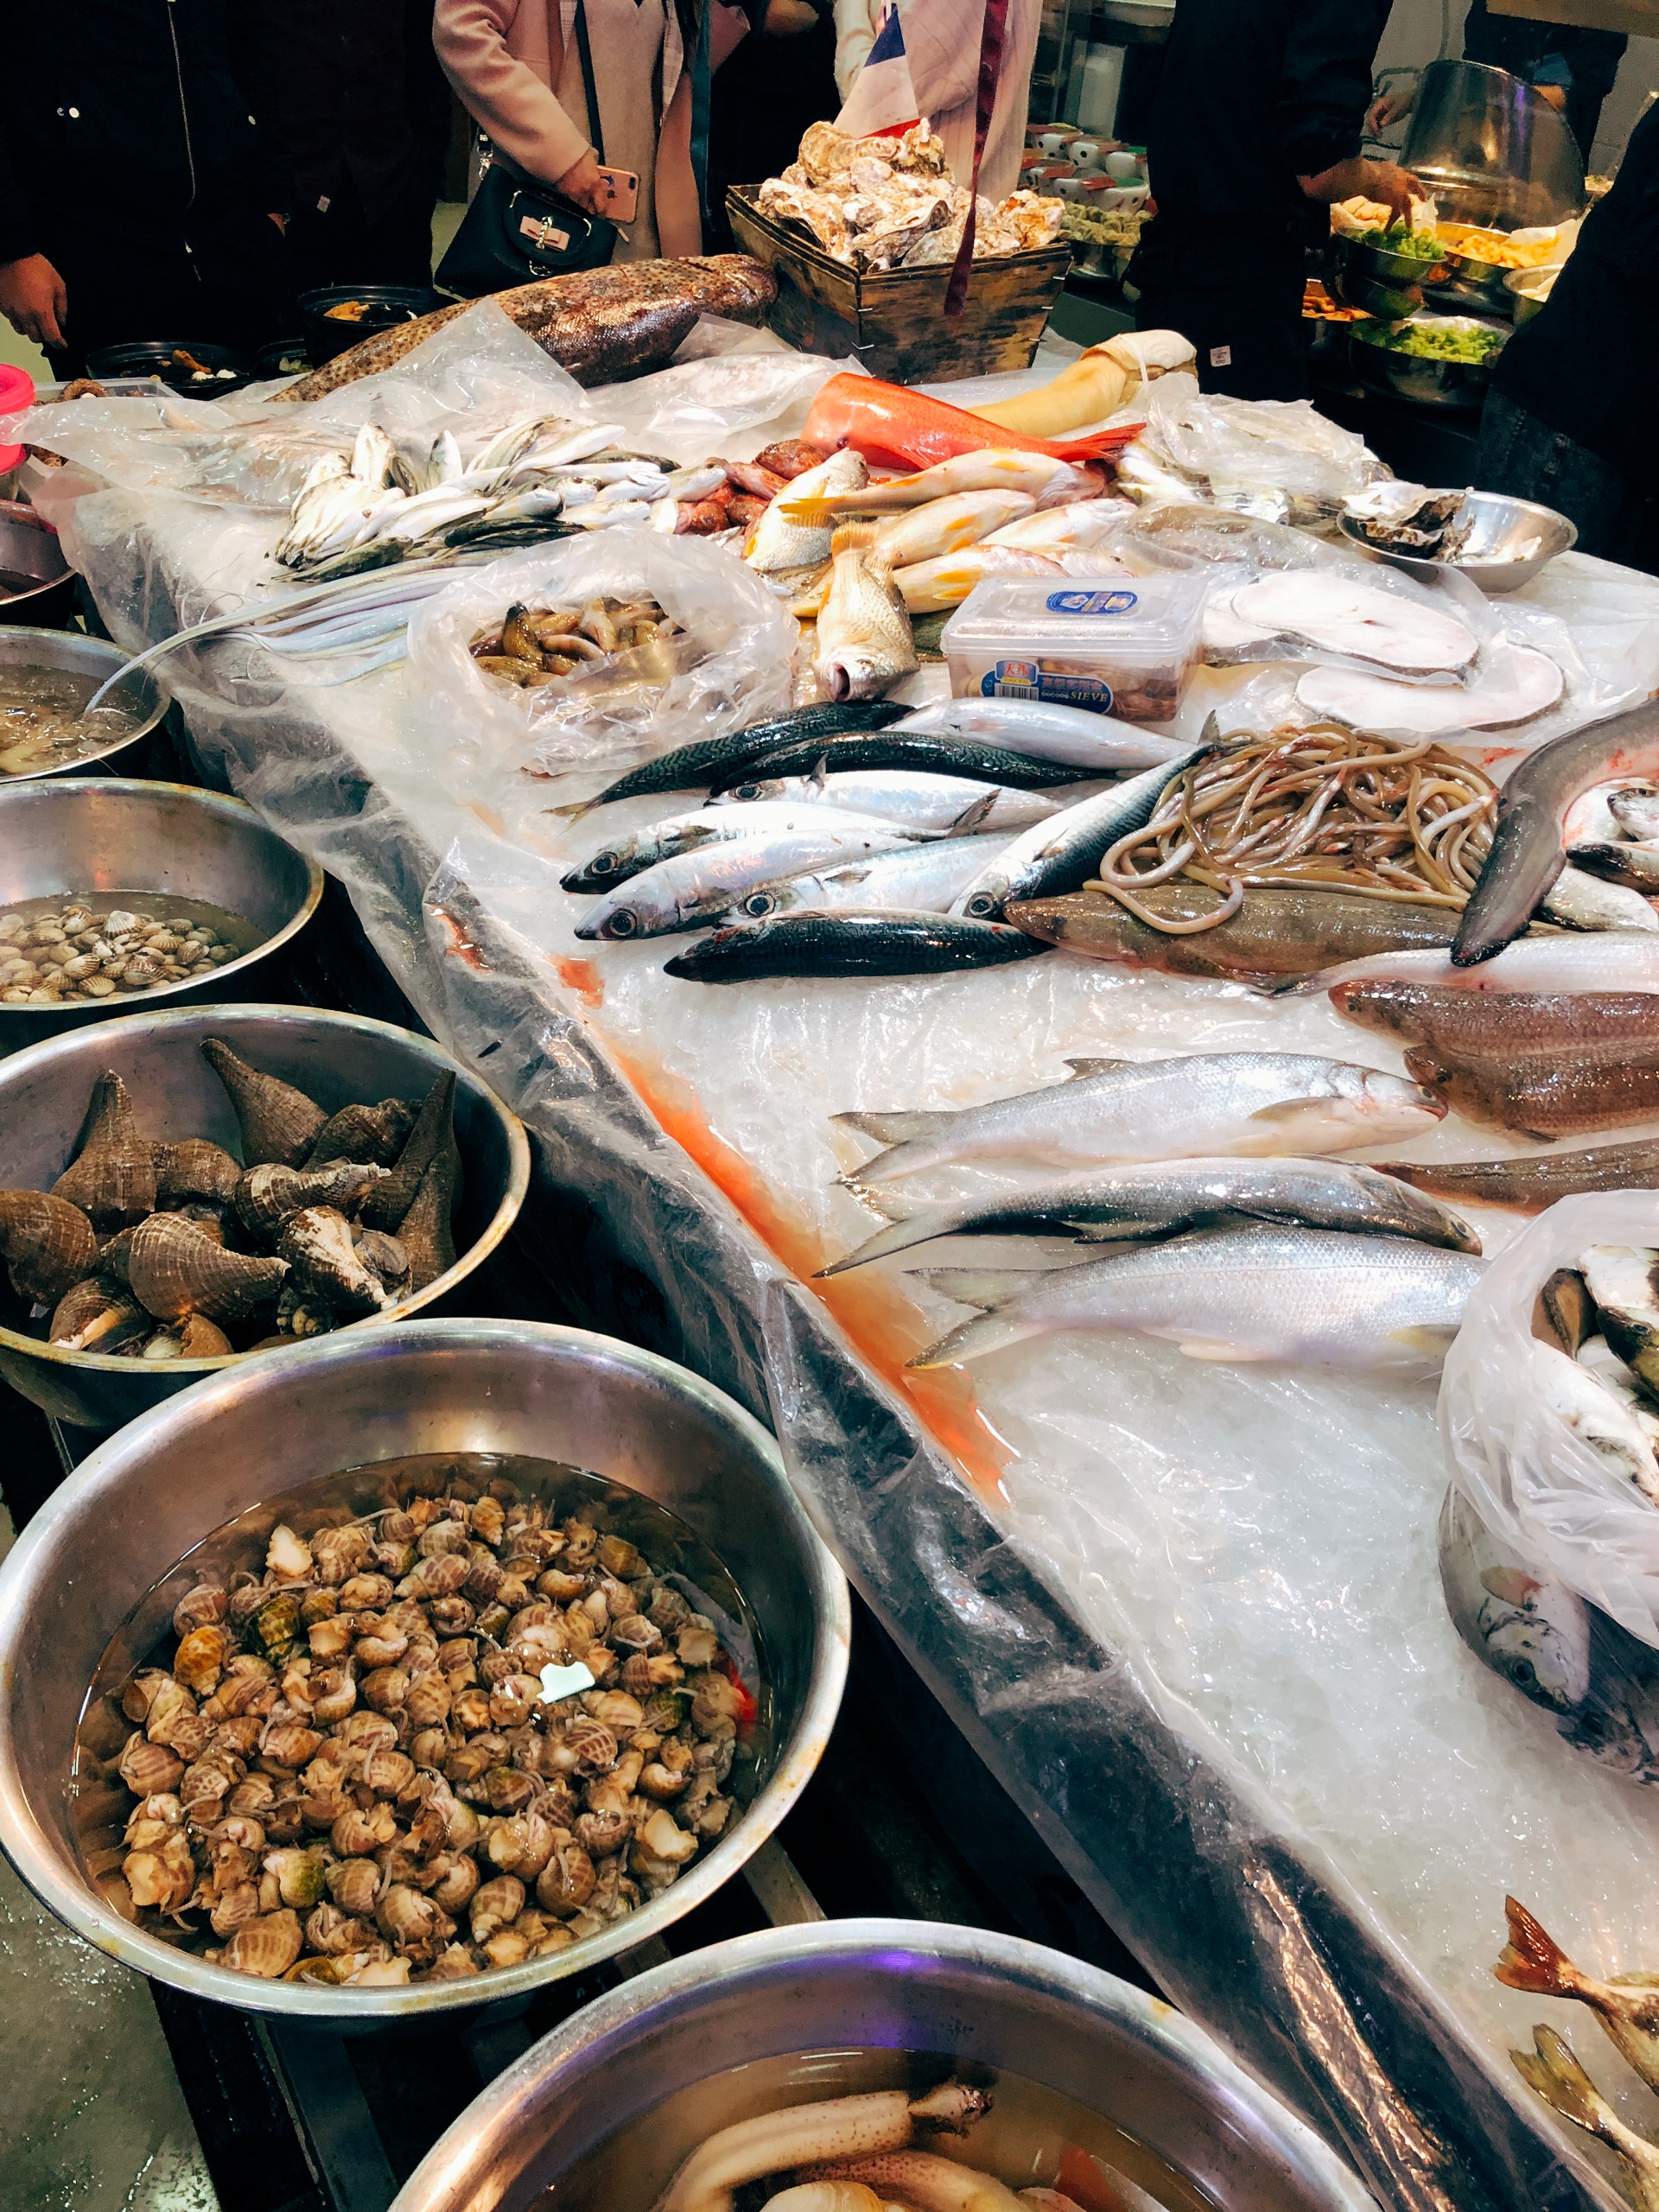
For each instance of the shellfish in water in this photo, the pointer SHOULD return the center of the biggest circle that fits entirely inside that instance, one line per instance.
(174, 1269)
(48, 1244)
(277, 1122)
(112, 1178)
(88, 951)
(316, 1243)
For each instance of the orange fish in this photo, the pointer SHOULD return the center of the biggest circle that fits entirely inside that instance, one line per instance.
(897, 428)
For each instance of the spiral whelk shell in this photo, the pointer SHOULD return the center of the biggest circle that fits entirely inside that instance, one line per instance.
(433, 1134)
(277, 1122)
(267, 1195)
(173, 1269)
(48, 1244)
(425, 1231)
(373, 1135)
(316, 1243)
(112, 1178)
(194, 1168)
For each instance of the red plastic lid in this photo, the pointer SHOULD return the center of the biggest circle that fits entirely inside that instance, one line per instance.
(17, 392)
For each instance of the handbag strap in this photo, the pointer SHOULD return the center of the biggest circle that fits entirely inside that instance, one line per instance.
(585, 55)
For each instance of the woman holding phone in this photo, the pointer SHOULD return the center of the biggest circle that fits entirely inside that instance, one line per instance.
(517, 69)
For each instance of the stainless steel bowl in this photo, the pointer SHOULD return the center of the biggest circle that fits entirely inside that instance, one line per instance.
(148, 1496)
(65, 837)
(142, 694)
(1419, 377)
(333, 1057)
(1530, 288)
(983, 2001)
(1378, 282)
(29, 546)
(1500, 523)
(1465, 284)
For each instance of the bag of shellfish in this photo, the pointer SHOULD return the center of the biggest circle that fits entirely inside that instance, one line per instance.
(614, 643)
(1549, 1418)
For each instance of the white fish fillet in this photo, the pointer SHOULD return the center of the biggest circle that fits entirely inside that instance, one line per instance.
(1360, 619)
(1532, 684)
(1606, 960)
(1316, 1296)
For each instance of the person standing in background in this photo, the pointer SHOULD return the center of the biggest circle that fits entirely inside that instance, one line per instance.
(362, 109)
(1572, 69)
(1255, 132)
(942, 41)
(781, 79)
(139, 197)
(516, 67)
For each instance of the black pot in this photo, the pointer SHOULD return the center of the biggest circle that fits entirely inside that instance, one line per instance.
(385, 306)
(286, 357)
(156, 357)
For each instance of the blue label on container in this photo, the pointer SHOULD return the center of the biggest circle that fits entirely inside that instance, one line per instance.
(1092, 602)
(1033, 679)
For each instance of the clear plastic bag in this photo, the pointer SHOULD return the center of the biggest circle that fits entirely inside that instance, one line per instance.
(1281, 459)
(734, 669)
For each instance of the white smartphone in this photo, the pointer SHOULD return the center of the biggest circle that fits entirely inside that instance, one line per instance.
(622, 194)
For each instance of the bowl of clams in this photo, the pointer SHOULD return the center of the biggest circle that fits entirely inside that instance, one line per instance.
(116, 893)
(180, 1190)
(410, 1670)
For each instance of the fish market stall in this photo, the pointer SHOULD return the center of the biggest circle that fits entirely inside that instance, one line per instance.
(1189, 1610)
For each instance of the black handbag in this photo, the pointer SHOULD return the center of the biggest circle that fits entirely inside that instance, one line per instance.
(517, 231)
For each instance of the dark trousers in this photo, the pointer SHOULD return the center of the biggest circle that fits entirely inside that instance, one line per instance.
(343, 245)
(1248, 335)
(231, 290)
(1612, 508)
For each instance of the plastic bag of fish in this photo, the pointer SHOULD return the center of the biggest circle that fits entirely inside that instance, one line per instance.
(734, 641)
(1549, 1535)
(1281, 461)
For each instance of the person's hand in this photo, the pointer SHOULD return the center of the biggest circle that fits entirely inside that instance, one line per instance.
(33, 299)
(281, 222)
(1389, 108)
(1394, 187)
(583, 182)
(789, 18)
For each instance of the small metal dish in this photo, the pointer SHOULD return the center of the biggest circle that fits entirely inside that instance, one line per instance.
(602, 2111)
(1466, 284)
(30, 547)
(333, 1057)
(144, 1499)
(142, 694)
(1530, 288)
(1420, 377)
(70, 837)
(1499, 523)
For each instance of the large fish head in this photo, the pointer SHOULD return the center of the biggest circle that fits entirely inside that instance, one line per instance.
(853, 672)
(629, 911)
(1355, 1106)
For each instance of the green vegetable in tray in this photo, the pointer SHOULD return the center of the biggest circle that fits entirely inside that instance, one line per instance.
(1442, 341)
(1417, 246)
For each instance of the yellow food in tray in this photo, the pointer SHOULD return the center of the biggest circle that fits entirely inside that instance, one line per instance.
(1503, 252)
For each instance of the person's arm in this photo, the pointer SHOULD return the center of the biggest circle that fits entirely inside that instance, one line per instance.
(1324, 95)
(855, 36)
(510, 102)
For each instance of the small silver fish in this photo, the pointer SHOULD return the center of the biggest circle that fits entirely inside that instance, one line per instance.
(1044, 731)
(920, 879)
(1314, 1296)
(914, 798)
(1635, 807)
(864, 636)
(678, 894)
(622, 858)
(1585, 902)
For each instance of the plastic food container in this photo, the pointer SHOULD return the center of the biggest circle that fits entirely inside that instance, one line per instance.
(1122, 645)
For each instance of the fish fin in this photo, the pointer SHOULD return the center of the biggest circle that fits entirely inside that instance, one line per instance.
(889, 1204)
(1218, 1348)
(1432, 1342)
(985, 1332)
(853, 537)
(971, 815)
(1087, 1067)
(1533, 1960)
(1559, 2080)
(819, 778)
(573, 813)
(1641, 1979)
(982, 1287)
(811, 510)
(1511, 1586)
(895, 1128)
(1127, 1229)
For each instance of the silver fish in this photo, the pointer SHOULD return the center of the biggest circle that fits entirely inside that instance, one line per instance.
(1535, 1633)
(1047, 732)
(598, 514)
(1616, 862)
(780, 542)
(915, 799)
(1243, 1105)
(1635, 807)
(1311, 1295)
(1585, 902)
(1597, 1415)
(679, 894)
(920, 879)
(1132, 1204)
(1060, 854)
(1606, 960)
(372, 455)
(621, 859)
(864, 635)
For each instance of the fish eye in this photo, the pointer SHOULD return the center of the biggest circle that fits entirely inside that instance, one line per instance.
(622, 923)
(982, 904)
(747, 791)
(760, 904)
(602, 864)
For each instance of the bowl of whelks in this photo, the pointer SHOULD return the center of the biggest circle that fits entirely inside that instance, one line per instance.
(179, 1189)
(47, 678)
(841, 2066)
(116, 895)
(1498, 542)
(411, 1670)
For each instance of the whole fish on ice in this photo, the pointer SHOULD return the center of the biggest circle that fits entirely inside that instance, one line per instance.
(914, 798)
(777, 541)
(677, 834)
(848, 941)
(921, 878)
(1045, 480)
(678, 894)
(1047, 731)
(864, 637)
(946, 525)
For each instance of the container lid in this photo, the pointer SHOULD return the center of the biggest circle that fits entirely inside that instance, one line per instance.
(1151, 619)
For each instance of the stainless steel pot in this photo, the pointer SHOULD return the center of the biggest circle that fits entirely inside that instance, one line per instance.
(1421, 376)
(74, 836)
(1378, 282)
(140, 694)
(984, 2000)
(29, 546)
(333, 1057)
(148, 1496)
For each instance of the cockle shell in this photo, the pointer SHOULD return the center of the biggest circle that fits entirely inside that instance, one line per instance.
(277, 1122)
(173, 1269)
(433, 1134)
(48, 1244)
(425, 1231)
(112, 1179)
(268, 1194)
(316, 1243)
(194, 1169)
(373, 1134)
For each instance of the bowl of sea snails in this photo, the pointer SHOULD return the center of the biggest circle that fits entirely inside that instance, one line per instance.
(180, 1190)
(116, 893)
(856, 2063)
(410, 1670)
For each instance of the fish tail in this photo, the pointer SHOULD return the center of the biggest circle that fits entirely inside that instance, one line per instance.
(1533, 1960)
(986, 1333)
(895, 1128)
(854, 537)
(573, 813)
(1556, 2074)
(890, 1205)
(897, 1236)
(811, 510)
